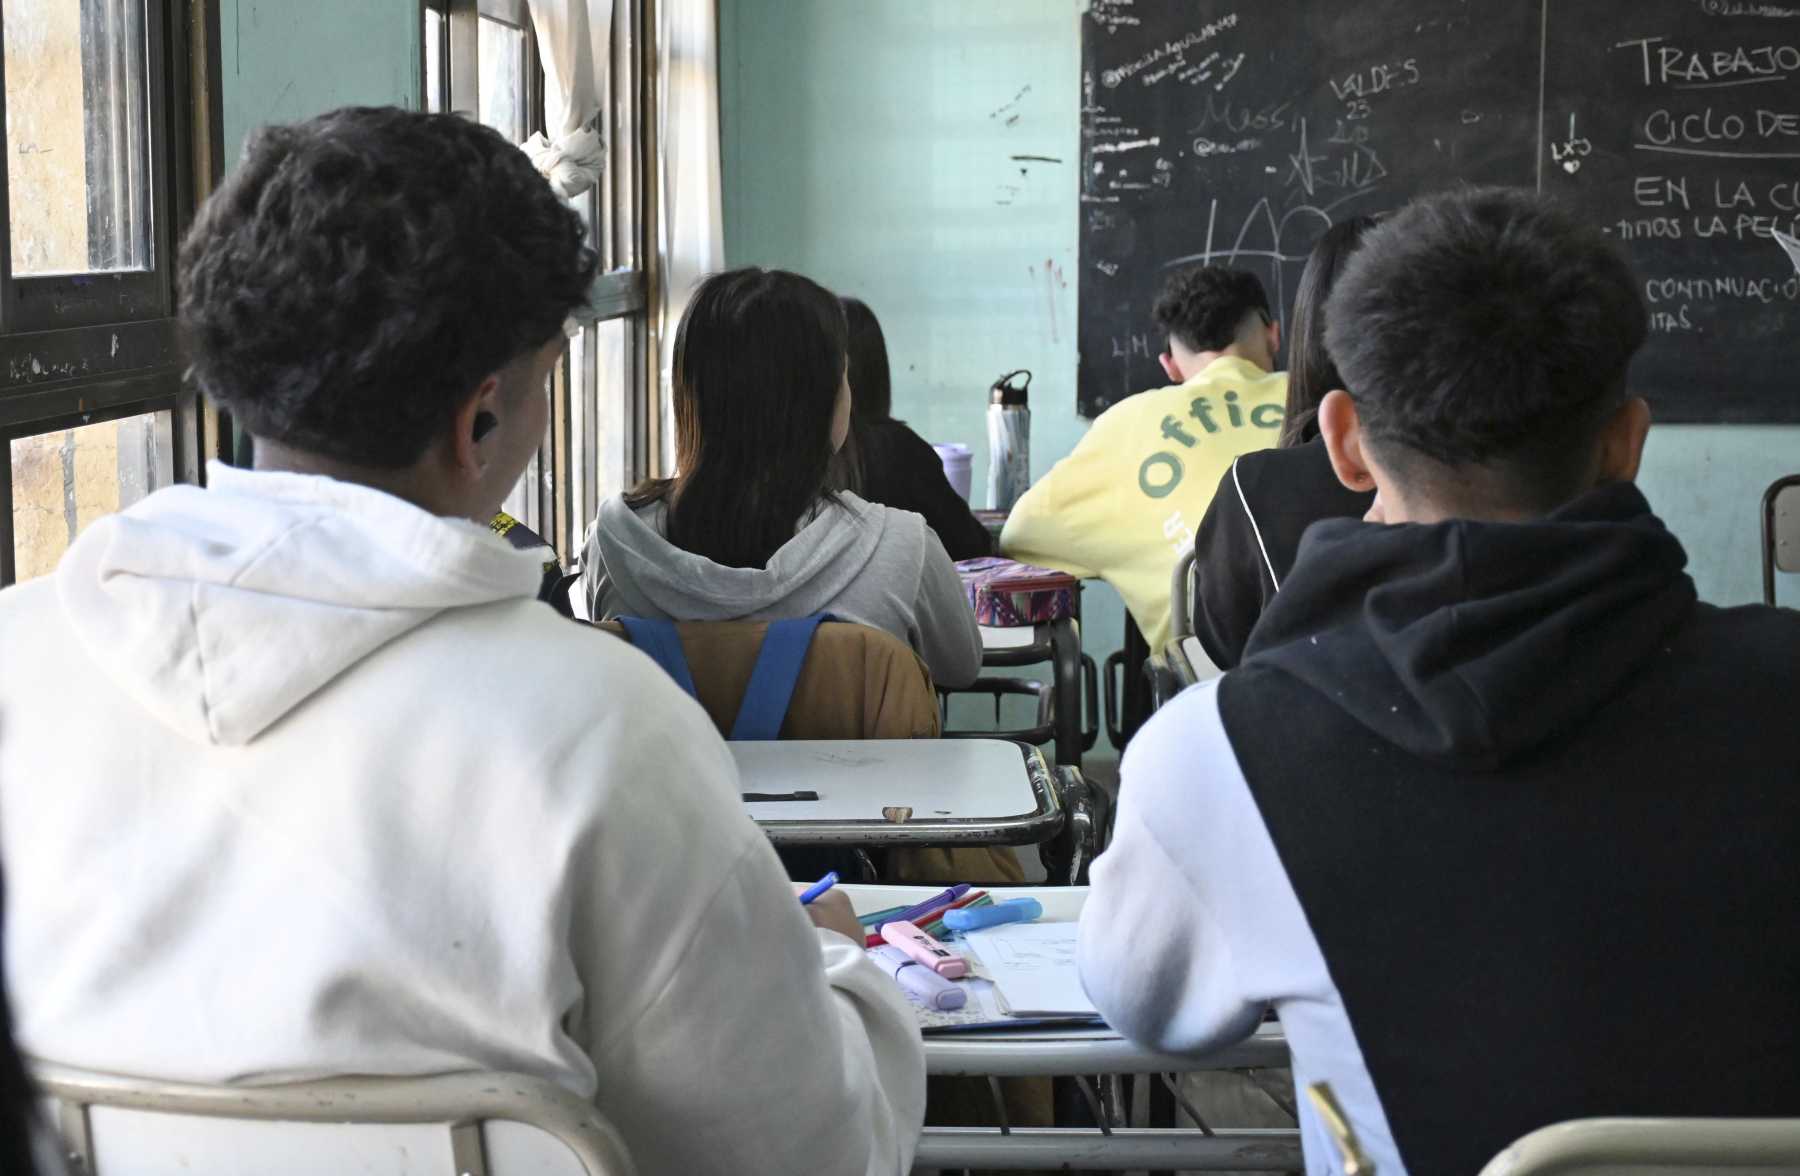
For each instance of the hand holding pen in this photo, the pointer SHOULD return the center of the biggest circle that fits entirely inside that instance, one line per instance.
(831, 909)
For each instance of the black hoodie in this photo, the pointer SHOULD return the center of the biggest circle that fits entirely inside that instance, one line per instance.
(1542, 811)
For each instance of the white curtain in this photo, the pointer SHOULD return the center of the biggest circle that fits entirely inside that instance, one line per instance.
(693, 239)
(574, 39)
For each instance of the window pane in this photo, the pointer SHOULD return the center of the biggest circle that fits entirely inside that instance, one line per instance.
(65, 480)
(76, 123)
(581, 446)
(621, 216)
(522, 503)
(502, 54)
(613, 405)
(434, 61)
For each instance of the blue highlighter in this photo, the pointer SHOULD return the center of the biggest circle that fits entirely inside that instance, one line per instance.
(1013, 910)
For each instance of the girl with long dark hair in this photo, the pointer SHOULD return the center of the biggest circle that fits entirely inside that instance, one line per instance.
(1311, 374)
(1248, 539)
(749, 527)
(885, 461)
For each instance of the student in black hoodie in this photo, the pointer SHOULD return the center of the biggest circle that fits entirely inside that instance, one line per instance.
(886, 462)
(1495, 814)
(1247, 539)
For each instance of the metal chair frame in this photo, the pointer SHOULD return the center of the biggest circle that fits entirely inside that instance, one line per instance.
(462, 1102)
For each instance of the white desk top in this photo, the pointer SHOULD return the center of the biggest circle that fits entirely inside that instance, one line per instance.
(994, 637)
(939, 779)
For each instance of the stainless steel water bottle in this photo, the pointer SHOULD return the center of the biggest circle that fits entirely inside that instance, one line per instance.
(1009, 440)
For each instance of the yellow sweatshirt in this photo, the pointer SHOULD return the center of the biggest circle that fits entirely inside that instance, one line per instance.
(1123, 506)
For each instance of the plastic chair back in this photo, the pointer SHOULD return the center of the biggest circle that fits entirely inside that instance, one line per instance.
(1780, 532)
(1653, 1147)
(1181, 592)
(470, 1124)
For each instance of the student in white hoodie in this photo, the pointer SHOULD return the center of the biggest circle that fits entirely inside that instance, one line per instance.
(748, 527)
(297, 778)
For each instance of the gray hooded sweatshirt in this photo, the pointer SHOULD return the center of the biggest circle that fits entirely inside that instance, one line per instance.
(855, 560)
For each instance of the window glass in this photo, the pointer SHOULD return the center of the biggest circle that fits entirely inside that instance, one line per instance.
(502, 88)
(63, 481)
(76, 123)
(581, 446)
(612, 406)
(522, 503)
(434, 61)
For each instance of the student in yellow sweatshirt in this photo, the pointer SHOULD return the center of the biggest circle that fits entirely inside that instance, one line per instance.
(1123, 506)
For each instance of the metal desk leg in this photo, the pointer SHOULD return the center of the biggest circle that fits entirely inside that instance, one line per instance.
(1065, 643)
(1066, 856)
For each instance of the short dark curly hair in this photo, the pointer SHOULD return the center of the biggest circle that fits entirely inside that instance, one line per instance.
(1487, 326)
(359, 274)
(1204, 306)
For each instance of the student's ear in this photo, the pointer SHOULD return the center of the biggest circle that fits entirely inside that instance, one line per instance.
(1622, 441)
(1274, 344)
(1342, 431)
(1169, 369)
(472, 429)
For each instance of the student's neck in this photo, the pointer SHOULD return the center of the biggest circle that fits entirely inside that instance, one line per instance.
(1464, 499)
(1193, 365)
(407, 484)
(1426, 513)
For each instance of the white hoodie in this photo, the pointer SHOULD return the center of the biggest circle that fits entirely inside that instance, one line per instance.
(297, 780)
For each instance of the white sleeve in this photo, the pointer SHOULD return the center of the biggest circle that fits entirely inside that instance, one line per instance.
(727, 1033)
(774, 1048)
(1155, 950)
(948, 638)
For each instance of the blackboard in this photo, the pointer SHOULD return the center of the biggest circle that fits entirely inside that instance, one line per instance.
(1219, 131)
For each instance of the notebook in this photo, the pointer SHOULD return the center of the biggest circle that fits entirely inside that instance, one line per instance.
(1033, 968)
(1041, 967)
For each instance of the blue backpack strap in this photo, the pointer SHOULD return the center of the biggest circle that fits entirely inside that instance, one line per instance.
(774, 677)
(660, 640)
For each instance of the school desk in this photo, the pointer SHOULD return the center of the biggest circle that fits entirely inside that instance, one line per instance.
(1082, 1053)
(901, 792)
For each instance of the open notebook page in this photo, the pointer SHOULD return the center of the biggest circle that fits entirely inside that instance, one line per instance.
(1033, 966)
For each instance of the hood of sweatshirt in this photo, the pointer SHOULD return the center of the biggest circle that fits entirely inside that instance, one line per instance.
(221, 610)
(651, 577)
(1468, 644)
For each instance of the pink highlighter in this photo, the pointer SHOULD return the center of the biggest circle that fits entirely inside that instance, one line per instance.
(925, 949)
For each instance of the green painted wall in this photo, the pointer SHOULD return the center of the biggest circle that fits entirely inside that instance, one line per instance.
(868, 143)
(1707, 482)
(283, 60)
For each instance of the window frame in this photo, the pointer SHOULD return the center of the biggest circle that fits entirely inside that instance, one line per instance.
(442, 8)
(83, 349)
(58, 301)
(622, 218)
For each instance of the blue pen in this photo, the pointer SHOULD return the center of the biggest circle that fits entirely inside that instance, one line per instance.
(818, 888)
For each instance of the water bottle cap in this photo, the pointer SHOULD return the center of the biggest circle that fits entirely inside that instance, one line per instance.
(1006, 392)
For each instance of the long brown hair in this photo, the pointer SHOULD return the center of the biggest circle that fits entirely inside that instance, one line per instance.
(1311, 374)
(759, 359)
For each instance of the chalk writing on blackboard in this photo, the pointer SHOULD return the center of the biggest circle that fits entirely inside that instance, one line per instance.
(1214, 131)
